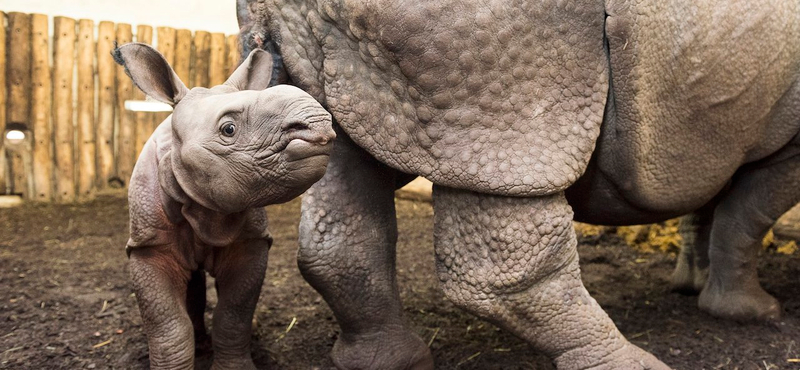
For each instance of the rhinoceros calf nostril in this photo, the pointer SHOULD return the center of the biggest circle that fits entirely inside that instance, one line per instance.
(295, 126)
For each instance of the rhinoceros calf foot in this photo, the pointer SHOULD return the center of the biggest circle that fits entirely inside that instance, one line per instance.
(242, 364)
(384, 350)
(743, 304)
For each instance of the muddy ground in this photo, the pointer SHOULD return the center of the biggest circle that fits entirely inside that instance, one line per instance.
(65, 301)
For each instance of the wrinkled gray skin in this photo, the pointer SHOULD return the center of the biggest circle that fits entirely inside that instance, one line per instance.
(197, 196)
(521, 113)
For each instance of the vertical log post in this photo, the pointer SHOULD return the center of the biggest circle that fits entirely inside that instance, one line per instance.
(183, 54)
(126, 133)
(166, 45)
(216, 60)
(86, 138)
(63, 70)
(41, 110)
(3, 99)
(202, 45)
(19, 163)
(19, 89)
(19, 68)
(104, 131)
(144, 120)
(234, 54)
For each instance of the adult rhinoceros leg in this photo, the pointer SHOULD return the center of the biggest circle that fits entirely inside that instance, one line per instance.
(514, 262)
(691, 272)
(758, 196)
(348, 233)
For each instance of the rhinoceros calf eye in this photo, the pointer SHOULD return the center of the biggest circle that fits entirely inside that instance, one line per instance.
(228, 129)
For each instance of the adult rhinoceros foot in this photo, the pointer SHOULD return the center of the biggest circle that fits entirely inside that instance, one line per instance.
(387, 349)
(628, 357)
(750, 303)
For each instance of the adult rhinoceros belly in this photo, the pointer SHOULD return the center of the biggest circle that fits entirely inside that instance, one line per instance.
(699, 89)
(503, 97)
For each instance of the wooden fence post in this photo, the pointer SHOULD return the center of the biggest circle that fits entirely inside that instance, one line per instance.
(41, 110)
(144, 120)
(63, 69)
(86, 138)
(183, 55)
(166, 45)
(19, 164)
(2, 101)
(125, 139)
(106, 75)
(19, 89)
(216, 60)
(234, 54)
(19, 68)
(202, 45)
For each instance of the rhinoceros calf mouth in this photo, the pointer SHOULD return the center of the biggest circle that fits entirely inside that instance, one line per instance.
(301, 148)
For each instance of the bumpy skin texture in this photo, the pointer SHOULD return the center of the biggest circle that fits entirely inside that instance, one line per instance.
(480, 98)
(698, 101)
(514, 262)
(197, 195)
(635, 111)
(347, 252)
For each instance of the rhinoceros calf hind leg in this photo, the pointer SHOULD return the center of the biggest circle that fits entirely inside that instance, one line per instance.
(196, 307)
(239, 271)
(514, 262)
(348, 233)
(758, 195)
(691, 272)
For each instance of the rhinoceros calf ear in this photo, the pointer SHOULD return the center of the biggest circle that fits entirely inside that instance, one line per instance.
(255, 73)
(150, 72)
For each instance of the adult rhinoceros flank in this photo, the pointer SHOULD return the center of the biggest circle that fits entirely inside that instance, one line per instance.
(634, 111)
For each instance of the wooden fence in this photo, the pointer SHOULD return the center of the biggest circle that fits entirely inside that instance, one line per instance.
(66, 94)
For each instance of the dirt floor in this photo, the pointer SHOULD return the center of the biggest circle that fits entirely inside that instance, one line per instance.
(65, 301)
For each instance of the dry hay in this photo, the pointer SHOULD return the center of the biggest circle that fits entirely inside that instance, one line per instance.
(664, 237)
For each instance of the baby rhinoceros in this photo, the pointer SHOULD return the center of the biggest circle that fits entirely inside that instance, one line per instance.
(197, 195)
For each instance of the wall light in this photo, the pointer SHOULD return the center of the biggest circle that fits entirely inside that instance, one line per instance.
(147, 106)
(15, 136)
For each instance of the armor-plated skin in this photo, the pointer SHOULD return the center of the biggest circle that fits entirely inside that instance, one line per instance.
(634, 111)
(197, 195)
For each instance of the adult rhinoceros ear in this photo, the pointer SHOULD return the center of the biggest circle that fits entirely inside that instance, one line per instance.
(150, 72)
(255, 73)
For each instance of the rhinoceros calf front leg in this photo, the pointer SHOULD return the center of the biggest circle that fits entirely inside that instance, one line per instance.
(160, 283)
(348, 233)
(239, 271)
(514, 262)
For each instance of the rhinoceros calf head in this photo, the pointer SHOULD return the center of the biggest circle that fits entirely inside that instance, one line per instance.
(240, 144)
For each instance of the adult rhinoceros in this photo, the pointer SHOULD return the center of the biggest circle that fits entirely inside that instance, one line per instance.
(634, 111)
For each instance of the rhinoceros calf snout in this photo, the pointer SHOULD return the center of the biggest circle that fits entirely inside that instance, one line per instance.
(316, 133)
